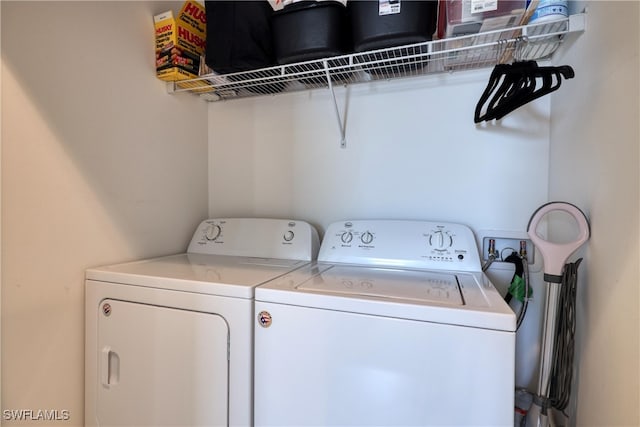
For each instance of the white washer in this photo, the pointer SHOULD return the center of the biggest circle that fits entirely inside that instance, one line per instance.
(394, 325)
(169, 341)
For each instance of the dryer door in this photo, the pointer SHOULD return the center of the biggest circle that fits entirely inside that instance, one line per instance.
(161, 366)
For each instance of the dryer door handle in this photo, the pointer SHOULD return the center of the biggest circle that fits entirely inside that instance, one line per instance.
(109, 367)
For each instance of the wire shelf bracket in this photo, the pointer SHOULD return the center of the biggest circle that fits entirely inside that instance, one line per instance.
(341, 123)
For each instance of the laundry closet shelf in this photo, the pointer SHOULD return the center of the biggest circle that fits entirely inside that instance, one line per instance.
(529, 42)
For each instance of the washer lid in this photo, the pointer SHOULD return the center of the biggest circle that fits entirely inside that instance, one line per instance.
(447, 297)
(405, 285)
(207, 274)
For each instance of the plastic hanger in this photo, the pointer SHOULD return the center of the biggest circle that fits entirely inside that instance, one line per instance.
(511, 86)
(519, 85)
(498, 76)
(551, 80)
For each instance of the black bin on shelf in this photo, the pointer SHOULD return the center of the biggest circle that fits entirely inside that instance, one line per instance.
(376, 27)
(310, 30)
(380, 25)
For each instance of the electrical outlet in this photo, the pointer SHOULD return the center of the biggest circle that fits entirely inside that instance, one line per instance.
(507, 242)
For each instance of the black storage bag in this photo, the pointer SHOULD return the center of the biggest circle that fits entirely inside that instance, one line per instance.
(238, 35)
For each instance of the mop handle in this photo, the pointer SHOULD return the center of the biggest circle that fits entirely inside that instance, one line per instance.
(555, 255)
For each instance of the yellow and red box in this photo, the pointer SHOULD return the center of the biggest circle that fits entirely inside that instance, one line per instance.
(180, 42)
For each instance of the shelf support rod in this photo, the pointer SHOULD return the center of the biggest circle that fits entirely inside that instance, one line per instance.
(341, 124)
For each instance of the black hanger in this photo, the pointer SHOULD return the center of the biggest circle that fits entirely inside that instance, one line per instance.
(498, 75)
(517, 85)
(548, 76)
(511, 86)
(523, 85)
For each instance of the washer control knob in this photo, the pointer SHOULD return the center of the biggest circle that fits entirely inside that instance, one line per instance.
(346, 237)
(212, 232)
(440, 240)
(366, 237)
(288, 236)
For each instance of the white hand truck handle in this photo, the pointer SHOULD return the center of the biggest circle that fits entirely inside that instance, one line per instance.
(555, 255)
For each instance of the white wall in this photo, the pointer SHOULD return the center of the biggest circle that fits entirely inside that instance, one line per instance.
(594, 163)
(99, 165)
(413, 151)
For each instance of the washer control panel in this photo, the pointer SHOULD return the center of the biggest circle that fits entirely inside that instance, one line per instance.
(256, 237)
(408, 244)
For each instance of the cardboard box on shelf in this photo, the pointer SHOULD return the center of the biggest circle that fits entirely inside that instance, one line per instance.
(180, 42)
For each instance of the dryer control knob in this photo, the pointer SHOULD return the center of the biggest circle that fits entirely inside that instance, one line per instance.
(288, 236)
(366, 237)
(212, 232)
(346, 237)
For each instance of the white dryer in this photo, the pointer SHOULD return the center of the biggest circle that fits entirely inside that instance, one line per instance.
(394, 325)
(169, 340)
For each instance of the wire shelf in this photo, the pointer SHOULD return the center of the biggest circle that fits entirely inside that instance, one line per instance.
(529, 42)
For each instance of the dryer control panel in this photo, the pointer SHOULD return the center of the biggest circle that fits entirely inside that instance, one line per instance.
(256, 237)
(408, 244)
